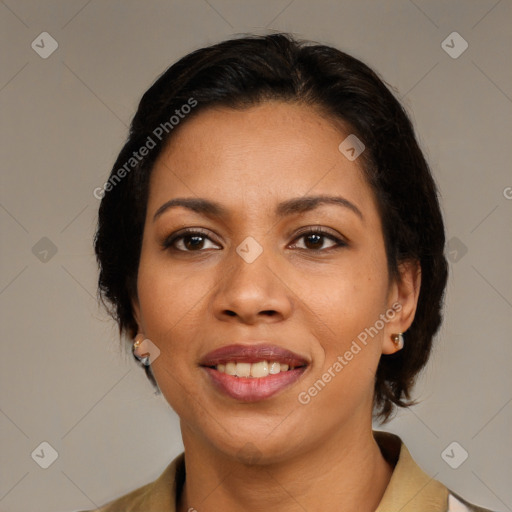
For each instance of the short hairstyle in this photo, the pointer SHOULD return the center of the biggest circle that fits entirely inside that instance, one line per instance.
(242, 72)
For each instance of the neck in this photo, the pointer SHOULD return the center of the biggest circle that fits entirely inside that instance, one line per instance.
(345, 473)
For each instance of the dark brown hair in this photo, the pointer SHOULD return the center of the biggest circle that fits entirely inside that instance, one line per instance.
(242, 72)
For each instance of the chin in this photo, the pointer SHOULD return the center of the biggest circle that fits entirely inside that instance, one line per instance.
(259, 442)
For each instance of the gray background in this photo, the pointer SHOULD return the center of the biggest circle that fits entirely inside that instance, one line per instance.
(63, 377)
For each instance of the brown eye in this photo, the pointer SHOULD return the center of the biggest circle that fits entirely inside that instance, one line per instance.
(192, 242)
(187, 241)
(314, 240)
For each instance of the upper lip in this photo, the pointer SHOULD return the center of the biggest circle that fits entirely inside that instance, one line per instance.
(252, 354)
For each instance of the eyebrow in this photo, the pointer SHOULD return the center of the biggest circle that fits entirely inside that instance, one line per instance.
(289, 207)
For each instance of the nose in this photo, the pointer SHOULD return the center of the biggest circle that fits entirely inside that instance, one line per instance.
(252, 292)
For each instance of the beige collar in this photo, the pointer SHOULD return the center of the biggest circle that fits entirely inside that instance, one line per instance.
(410, 488)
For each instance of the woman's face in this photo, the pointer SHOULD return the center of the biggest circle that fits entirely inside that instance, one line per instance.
(256, 276)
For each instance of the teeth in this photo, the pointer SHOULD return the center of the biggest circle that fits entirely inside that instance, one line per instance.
(243, 369)
(275, 367)
(259, 369)
(230, 368)
(256, 370)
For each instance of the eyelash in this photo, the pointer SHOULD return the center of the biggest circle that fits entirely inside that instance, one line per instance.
(314, 230)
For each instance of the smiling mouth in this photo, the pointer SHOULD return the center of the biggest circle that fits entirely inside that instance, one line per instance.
(251, 373)
(257, 370)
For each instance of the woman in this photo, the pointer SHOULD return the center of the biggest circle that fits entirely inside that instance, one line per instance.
(270, 240)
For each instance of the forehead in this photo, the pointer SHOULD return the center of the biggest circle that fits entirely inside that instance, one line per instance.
(257, 155)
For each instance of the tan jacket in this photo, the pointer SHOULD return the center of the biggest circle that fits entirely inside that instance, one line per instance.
(409, 490)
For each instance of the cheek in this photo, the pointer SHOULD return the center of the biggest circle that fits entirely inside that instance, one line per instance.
(353, 299)
(165, 295)
(350, 350)
(354, 295)
(165, 302)
(169, 305)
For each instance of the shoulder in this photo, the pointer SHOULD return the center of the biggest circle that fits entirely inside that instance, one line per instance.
(410, 489)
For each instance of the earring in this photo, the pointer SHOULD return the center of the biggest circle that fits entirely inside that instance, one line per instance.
(144, 358)
(398, 340)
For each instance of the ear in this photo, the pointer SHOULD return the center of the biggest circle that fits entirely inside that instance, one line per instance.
(403, 300)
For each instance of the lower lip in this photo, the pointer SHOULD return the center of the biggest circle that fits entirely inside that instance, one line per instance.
(249, 389)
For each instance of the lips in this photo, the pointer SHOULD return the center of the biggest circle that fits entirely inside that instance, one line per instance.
(243, 385)
(252, 354)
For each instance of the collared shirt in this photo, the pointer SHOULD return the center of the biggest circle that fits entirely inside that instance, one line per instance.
(410, 489)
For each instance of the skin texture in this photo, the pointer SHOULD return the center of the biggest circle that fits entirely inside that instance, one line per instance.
(301, 293)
